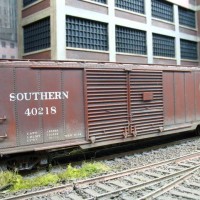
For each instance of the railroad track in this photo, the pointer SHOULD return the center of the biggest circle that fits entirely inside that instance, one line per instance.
(167, 179)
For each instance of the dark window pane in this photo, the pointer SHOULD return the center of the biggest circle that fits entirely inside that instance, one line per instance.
(130, 40)
(162, 10)
(100, 1)
(37, 35)
(132, 5)
(28, 2)
(87, 34)
(163, 46)
(187, 17)
(188, 50)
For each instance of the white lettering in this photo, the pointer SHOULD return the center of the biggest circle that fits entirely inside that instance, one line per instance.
(43, 95)
(27, 96)
(38, 96)
(20, 97)
(65, 95)
(35, 94)
(51, 95)
(40, 111)
(12, 97)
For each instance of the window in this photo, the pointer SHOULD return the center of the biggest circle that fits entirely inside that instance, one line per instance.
(37, 35)
(100, 1)
(87, 34)
(163, 46)
(12, 57)
(28, 2)
(162, 10)
(187, 17)
(12, 45)
(3, 44)
(4, 56)
(130, 40)
(132, 5)
(188, 50)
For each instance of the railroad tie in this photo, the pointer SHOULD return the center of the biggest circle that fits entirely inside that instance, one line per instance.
(185, 195)
(74, 196)
(105, 187)
(91, 192)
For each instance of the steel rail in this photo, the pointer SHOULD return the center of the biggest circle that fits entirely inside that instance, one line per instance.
(152, 182)
(107, 177)
(170, 186)
(133, 170)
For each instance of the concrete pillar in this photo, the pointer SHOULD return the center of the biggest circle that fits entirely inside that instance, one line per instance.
(149, 32)
(58, 30)
(177, 36)
(111, 31)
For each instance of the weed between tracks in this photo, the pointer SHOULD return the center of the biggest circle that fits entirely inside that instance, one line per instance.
(17, 182)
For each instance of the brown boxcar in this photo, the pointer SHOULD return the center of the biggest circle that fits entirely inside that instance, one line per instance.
(47, 105)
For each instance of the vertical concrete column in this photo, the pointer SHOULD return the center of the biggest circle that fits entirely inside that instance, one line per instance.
(20, 29)
(149, 32)
(58, 30)
(177, 38)
(111, 31)
(198, 26)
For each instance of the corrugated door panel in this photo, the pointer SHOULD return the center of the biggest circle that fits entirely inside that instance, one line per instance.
(168, 95)
(107, 104)
(147, 114)
(197, 95)
(189, 97)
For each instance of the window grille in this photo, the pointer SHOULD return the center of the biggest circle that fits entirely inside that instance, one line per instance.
(28, 2)
(132, 5)
(100, 1)
(130, 40)
(187, 17)
(162, 10)
(3, 44)
(163, 46)
(37, 35)
(188, 50)
(87, 34)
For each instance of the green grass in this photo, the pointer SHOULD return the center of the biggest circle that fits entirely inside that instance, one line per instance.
(17, 182)
(87, 170)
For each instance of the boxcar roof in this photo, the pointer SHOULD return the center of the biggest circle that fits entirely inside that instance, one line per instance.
(59, 64)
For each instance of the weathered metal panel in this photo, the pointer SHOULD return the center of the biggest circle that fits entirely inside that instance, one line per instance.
(73, 109)
(107, 104)
(147, 114)
(168, 96)
(179, 90)
(197, 95)
(41, 106)
(190, 96)
(7, 109)
(28, 121)
(52, 120)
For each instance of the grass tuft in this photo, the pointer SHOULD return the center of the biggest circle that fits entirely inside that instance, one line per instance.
(71, 173)
(87, 170)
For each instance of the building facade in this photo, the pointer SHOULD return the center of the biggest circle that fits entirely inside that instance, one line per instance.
(8, 29)
(127, 31)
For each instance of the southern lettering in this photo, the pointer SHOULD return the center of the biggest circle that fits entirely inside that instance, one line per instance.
(38, 96)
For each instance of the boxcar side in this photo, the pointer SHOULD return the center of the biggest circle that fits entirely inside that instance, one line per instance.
(47, 106)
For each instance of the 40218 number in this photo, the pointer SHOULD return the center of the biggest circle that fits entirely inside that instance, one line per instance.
(40, 111)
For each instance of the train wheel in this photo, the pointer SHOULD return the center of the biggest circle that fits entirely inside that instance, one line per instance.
(197, 131)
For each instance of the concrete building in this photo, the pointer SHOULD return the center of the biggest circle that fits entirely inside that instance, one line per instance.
(136, 31)
(8, 29)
